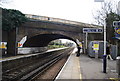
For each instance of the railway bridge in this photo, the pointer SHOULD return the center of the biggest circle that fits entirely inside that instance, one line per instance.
(40, 30)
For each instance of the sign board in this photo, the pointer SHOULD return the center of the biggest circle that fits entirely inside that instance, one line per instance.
(92, 30)
(118, 31)
(99, 0)
(20, 44)
(95, 46)
(116, 23)
(3, 44)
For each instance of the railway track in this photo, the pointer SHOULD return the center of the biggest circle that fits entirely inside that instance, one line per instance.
(30, 71)
(51, 71)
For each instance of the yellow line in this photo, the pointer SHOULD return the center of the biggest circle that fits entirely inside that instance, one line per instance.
(115, 79)
(79, 68)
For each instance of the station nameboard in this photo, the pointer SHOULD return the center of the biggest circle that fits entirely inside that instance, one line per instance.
(92, 30)
(99, 0)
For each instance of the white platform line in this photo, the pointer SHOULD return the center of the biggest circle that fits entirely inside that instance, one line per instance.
(80, 73)
(62, 68)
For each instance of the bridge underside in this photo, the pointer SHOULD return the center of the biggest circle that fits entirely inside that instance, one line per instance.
(44, 39)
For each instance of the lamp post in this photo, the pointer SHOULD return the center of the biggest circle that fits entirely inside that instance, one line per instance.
(104, 56)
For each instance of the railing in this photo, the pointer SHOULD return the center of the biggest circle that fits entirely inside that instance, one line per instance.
(44, 18)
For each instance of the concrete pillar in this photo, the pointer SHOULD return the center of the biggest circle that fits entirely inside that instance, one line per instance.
(118, 58)
(0, 41)
(11, 43)
(118, 66)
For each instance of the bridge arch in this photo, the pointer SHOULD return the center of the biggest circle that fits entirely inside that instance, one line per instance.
(43, 40)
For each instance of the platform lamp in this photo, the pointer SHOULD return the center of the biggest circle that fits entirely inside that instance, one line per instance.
(104, 56)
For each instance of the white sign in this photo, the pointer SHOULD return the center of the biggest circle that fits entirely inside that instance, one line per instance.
(23, 41)
(92, 30)
(99, 0)
(116, 23)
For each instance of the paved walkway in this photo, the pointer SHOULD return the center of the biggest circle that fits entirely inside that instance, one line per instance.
(71, 69)
(84, 68)
(92, 68)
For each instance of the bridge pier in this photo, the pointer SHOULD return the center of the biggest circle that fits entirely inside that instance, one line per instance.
(12, 43)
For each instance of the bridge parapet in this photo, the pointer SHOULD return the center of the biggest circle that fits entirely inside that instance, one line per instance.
(58, 20)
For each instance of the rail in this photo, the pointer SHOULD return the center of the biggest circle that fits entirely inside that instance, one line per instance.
(15, 73)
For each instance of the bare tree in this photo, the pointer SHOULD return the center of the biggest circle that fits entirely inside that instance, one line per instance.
(109, 13)
(106, 8)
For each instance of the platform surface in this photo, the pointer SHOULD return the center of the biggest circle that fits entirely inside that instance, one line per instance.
(27, 55)
(84, 68)
(71, 70)
(92, 68)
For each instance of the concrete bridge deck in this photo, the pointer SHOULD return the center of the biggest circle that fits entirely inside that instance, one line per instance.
(58, 20)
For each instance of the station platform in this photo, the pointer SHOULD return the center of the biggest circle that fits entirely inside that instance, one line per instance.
(84, 68)
(7, 58)
(71, 69)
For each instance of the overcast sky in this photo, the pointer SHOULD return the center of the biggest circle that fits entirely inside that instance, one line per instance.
(76, 10)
